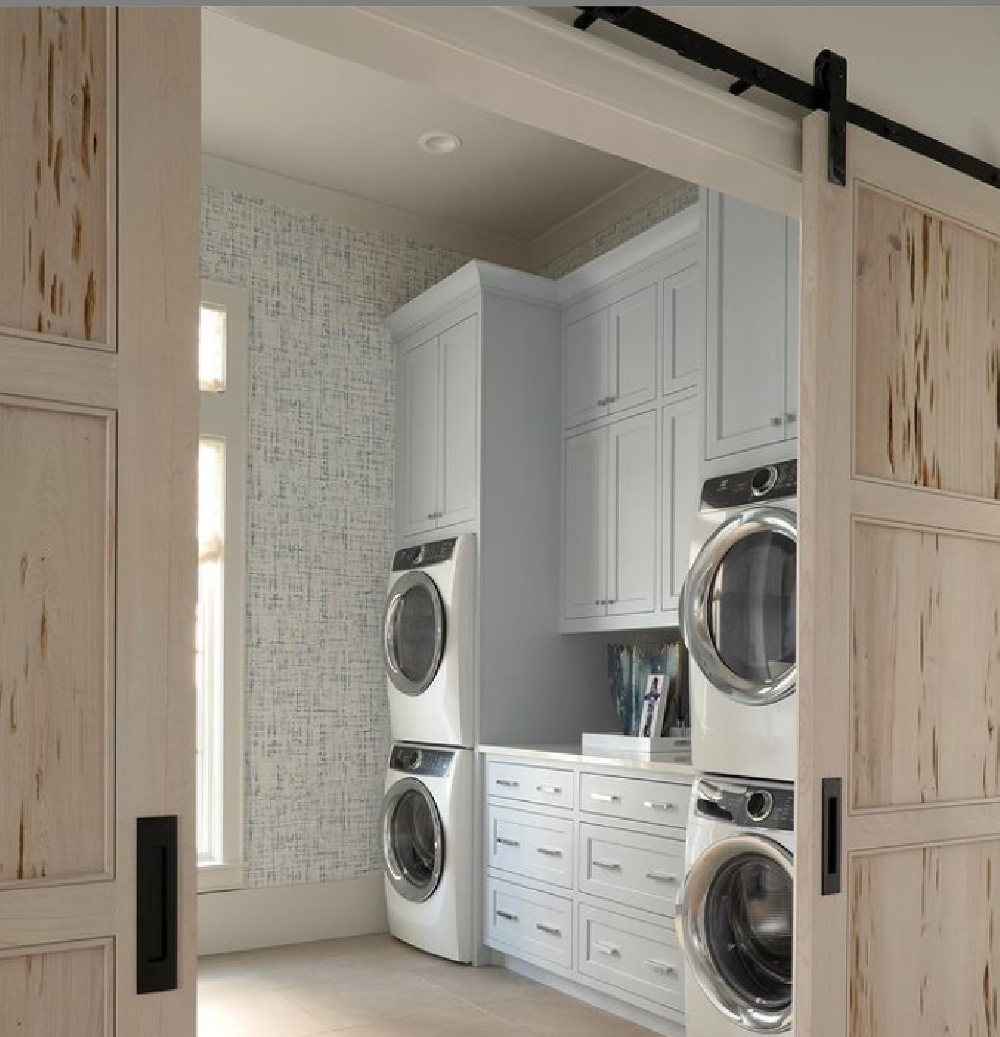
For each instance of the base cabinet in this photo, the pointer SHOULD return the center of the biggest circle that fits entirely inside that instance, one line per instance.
(641, 958)
(530, 922)
(586, 889)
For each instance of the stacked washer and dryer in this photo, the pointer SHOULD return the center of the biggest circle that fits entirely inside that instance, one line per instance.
(429, 642)
(738, 617)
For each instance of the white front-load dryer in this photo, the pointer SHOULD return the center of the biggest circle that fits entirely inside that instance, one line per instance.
(427, 848)
(735, 908)
(429, 642)
(738, 621)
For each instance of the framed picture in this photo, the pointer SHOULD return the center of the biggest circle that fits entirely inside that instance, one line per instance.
(653, 703)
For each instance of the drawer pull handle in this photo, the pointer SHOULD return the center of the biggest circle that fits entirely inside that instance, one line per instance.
(552, 930)
(549, 790)
(549, 851)
(507, 916)
(652, 804)
(508, 783)
(503, 841)
(661, 966)
(605, 797)
(661, 876)
(607, 865)
(607, 948)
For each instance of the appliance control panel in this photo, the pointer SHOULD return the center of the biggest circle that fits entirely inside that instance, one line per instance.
(423, 555)
(422, 761)
(754, 486)
(768, 807)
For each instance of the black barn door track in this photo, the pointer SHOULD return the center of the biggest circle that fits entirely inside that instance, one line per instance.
(827, 92)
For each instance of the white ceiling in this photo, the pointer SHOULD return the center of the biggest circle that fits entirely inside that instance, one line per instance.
(275, 105)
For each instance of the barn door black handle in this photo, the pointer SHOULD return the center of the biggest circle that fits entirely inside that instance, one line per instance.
(156, 904)
(831, 849)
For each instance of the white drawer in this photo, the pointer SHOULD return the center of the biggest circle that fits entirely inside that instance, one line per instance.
(534, 845)
(537, 924)
(639, 957)
(635, 799)
(548, 785)
(643, 871)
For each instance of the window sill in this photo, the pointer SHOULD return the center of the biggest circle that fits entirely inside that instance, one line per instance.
(218, 878)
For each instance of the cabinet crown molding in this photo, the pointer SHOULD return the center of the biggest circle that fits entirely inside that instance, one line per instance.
(475, 277)
(671, 234)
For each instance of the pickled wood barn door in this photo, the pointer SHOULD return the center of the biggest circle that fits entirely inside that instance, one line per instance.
(899, 545)
(99, 183)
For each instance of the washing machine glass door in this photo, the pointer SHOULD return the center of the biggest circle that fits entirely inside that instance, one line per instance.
(738, 606)
(412, 839)
(414, 632)
(734, 922)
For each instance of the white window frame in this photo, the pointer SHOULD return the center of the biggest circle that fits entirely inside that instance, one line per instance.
(223, 415)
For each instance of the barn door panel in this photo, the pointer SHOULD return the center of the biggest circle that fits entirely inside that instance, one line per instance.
(899, 692)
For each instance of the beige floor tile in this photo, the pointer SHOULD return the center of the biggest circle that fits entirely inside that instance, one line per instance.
(548, 1017)
(377, 987)
(479, 986)
(254, 1014)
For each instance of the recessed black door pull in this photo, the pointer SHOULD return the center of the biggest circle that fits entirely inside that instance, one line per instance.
(830, 872)
(156, 904)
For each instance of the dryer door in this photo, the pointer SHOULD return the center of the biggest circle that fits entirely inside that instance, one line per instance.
(738, 606)
(412, 839)
(414, 632)
(734, 921)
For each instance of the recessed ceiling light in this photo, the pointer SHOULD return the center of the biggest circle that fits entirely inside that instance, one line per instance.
(438, 142)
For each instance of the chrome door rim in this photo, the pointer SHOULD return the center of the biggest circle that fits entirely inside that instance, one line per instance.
(694, 606)
(393, 871)
(415, 578)
(692, 903)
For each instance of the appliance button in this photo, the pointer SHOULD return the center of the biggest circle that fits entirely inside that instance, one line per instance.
(764, 480)
(759, 804)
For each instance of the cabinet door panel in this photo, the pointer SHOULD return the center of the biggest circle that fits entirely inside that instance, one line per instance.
(633, 516)
(681, 488)
(459, 432)
(421, 448)
(55, 219)
(746, 332)
(682, 324)
(633, 350)
(585, 369)
(585, 525)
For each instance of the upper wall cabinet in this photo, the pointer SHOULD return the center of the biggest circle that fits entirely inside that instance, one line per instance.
(439, 383)
(57, 219)
(752, 275)
(478, 325)
(587, 368)
(633, 348)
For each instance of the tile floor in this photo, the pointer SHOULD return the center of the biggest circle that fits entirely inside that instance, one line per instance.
(374, 986)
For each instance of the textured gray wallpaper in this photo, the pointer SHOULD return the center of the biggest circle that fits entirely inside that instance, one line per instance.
(320, 515)
(319, 523)
(628, 227)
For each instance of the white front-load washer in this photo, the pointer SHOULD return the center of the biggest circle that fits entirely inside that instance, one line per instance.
(427, 848)
(738, 621)
(429, 642)
(735, 907)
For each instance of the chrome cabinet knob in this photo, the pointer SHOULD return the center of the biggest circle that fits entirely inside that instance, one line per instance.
(791, 417)
(776, 421)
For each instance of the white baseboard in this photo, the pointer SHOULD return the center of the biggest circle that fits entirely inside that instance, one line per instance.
(269, 916)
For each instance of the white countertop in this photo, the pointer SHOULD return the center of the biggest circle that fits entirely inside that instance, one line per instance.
(660, 763)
